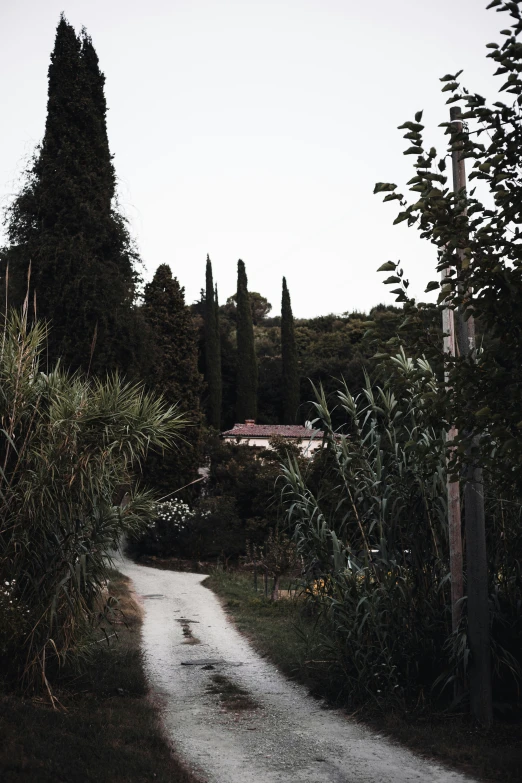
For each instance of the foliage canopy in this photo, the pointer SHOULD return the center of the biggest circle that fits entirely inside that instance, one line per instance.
(479, 242)
(174, 374)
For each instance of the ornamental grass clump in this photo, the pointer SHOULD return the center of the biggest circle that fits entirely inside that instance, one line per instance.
(68, 449)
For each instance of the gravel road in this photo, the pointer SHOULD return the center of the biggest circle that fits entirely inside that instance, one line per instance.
(288, 738)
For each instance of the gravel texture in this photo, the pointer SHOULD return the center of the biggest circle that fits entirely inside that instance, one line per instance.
(288, 738)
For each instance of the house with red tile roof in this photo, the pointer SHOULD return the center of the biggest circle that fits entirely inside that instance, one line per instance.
(258, 435)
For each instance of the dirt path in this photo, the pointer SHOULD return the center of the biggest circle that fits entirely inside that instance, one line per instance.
(233, 717)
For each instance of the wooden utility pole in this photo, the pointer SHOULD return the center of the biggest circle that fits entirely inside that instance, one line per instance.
(453, 487)
(476, 560)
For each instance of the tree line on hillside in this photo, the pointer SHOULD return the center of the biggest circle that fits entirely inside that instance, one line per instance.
(261, 367)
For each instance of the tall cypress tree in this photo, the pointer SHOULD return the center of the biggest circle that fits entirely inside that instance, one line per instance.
(174, 373)
(212, 350)
(65, 224)
(289, 360)
(218, 340)
(246, 401)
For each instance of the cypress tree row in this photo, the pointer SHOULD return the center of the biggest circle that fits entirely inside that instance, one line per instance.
(212, 350)
(65, 224)
(290, 370)
(246, 400)
(173, 373)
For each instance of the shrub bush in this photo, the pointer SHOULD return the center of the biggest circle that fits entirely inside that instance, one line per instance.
(240, 503)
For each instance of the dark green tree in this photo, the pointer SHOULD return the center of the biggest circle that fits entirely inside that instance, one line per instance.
(259, 305)
(246, 401)
(218, 333)
(290, 370)
(174, 373)
(65, 224)
(212, 350)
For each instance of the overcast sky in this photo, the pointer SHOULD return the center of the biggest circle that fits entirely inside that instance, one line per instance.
(257, 129)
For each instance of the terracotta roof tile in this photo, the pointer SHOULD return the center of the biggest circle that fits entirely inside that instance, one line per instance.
(271, 430)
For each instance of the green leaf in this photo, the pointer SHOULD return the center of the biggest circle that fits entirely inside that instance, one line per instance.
(448, 78)
(413, 151)
(413, 126)
(492, 46)
(494, 4)
(389, 266)
(432, 286)
(380, 187)
(392, 279)
(418, 116)
(451, 86)
(400, 217)
(397, 291)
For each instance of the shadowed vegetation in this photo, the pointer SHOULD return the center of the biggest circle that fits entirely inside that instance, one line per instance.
(68, 449)
(292, 635)
(109, 732)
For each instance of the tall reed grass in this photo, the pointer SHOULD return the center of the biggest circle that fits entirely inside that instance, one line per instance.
(68, 450)
(370, 523)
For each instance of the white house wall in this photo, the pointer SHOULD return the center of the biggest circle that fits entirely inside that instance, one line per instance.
(307, 446)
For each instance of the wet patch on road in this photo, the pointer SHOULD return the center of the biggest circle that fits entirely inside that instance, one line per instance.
(187, 630)
(232, 696)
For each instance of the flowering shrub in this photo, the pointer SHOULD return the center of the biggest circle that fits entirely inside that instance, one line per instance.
(173, 512)
(172, 529)
(209, 529)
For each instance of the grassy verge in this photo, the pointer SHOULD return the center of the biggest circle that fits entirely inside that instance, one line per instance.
(285, 633)
(278, 629)
(109, 732)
